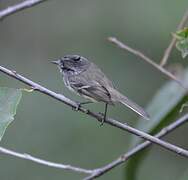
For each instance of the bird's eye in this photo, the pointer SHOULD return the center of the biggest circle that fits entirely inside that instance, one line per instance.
(76, 58)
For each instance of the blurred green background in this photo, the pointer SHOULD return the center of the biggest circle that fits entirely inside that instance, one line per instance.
(46, 128)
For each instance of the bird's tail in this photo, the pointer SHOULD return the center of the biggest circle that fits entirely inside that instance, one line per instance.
(118, 97)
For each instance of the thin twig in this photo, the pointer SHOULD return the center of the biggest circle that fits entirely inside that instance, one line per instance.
(147, 59)
(173, 41)
(123, 158)
(44, 162)
(18, 7)
(97, 116)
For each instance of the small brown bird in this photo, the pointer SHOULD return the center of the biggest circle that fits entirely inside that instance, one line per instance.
(87, 80)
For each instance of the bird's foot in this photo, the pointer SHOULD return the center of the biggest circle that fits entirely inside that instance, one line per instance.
(79, 104)
(77, 107)
(103, 118)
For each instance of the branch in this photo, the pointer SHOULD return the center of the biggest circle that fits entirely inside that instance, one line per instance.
(173, 41)
(44, 162)
(147, 59)
(19, 7)
(123, 158)
(97, 116)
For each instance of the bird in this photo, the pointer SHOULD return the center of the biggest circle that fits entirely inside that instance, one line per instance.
(83, 77)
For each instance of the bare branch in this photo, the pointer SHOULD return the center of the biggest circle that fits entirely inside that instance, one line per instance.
(123, 158)
(173, 41)
(97, 116)
(18, 7)
(147, 59)
(44, 162)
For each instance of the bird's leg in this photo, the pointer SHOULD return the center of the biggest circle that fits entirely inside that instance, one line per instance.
(105, 113)
(79, 104)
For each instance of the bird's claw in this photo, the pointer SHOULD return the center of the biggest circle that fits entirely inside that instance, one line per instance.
(103, 118)
(77, 107)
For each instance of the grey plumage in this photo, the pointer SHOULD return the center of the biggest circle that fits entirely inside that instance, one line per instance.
(86, 79)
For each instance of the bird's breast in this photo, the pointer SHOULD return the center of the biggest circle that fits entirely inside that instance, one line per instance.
(67, 83)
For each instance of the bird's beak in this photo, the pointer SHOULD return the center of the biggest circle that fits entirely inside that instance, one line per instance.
(55, 62)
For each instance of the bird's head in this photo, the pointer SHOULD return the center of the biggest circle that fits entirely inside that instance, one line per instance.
(73, 64)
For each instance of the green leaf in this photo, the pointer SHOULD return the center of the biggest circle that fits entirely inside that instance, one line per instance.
(9, 99)
(182, 46)
(163, 108)
(182, 41)
(182, 34)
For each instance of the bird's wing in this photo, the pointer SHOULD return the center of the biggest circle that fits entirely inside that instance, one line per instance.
(90, 89)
